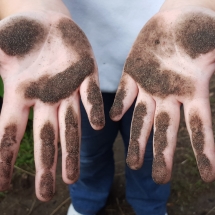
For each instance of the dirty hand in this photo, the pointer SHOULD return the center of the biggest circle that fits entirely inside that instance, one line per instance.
(46, 62)
(170, 63)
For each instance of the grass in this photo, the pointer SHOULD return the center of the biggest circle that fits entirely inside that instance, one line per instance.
(186, 185)
(25, 158)
(2, 195)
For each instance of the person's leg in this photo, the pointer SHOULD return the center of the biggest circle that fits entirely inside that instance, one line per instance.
(144, 195)
(90, 192)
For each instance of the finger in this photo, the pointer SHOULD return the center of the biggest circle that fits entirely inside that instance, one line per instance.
(45, 139)
(167, 116)
(125, 96)
(92, 101)
(198, 120)
(140, 129)
(13, 120)
(69, 119)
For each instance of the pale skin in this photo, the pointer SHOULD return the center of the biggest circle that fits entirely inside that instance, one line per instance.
(174, 46)
(55, 117)
(52, 56)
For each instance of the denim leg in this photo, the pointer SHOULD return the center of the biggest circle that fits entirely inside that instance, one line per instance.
(145, 196)
(90, 192)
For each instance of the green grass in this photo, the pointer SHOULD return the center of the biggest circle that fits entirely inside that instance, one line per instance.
(25, 158)
(2, 195)
(187, 184)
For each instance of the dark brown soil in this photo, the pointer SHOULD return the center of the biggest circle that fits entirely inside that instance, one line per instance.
(20, 36)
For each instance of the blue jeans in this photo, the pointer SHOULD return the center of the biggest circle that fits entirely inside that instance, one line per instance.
(90, 192)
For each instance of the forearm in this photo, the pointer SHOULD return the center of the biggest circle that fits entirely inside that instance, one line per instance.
(172, 4)
(9, 7)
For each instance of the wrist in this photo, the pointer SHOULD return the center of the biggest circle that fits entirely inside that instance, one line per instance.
(10, 7)
(174, 4)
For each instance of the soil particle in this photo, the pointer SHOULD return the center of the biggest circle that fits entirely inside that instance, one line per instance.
(198, 141)
(143, 65)
(159, 170)
(72, 167)
(133, 155)
(53, 89)
(46, 185)
(72, 144)
(157, 82)
(5, 175)
(6, 153)
(195, 33)
(6, 167)
(95, 99)
(156, 37)
(198, 136)
(205, 167)
(20, 35)
(9, 137)
(74, 37)
(6, 156)
(4, 182)
(137, 123)
(160, 136)
(47, 136)
(117, 108)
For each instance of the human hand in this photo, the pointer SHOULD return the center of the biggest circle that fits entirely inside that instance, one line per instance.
(170, 63)
(46, 62)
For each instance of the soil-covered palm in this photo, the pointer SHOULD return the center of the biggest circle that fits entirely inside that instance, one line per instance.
(46, 62)
(171, 63)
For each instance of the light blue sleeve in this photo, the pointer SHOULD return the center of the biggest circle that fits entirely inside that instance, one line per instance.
(111, 27)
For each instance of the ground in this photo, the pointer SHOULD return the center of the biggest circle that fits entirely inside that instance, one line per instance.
(189, 194)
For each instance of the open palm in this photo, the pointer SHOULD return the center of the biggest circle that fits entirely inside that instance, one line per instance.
(170, 63)
(46, 62)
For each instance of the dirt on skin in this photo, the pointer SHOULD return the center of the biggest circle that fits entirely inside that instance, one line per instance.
(196, 34)
(198, 141)
(189, 194)
(94, 97)
(72, 144)
(47, 136)
(133, 156)
(62, 85)
(159, 169)
(46, 185)
(118, 106)
(7, 154)
(21, 35)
